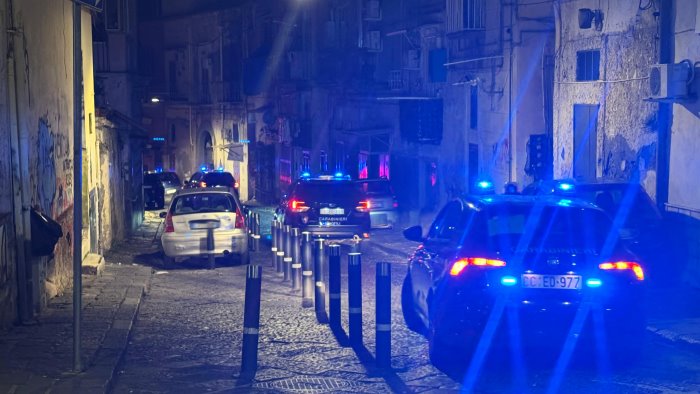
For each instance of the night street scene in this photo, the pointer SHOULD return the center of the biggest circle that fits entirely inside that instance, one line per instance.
(350, 196)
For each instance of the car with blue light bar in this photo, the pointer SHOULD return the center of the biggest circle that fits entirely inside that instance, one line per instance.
(555, 262)
(640, 223)
(326, 206)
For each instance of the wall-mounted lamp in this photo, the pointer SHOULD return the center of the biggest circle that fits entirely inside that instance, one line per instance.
(587, 16)
(155, 100)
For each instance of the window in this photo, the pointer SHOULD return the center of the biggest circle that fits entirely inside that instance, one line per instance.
(447, 224)
(588, 65)
(113, 14)
(465, 15)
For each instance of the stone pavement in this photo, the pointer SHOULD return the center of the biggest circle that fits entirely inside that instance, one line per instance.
(38, 357)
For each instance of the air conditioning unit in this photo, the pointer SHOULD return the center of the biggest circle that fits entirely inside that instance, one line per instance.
(669, 81)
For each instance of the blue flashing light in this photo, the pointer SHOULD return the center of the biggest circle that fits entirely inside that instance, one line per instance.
(567, 187)
(338, 174)
(564, 202)
(305, 174)
(159, 169)
(509, 281)
(220, 169)
(161, 139)
(203, 168)
(244, 141)
(484, 184)
(594, 282)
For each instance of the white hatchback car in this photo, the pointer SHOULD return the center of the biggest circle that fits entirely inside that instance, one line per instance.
(192, 213)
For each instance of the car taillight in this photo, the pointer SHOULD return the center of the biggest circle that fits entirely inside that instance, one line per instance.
(624, 265)
(169, 228)
(240, 220)
(202, 184)
(396, 204)
(235, 185)
(363, 206)
(461, 264)
(297, 206)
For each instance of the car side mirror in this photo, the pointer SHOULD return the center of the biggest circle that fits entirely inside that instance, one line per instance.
(163, 215)
(414, 234)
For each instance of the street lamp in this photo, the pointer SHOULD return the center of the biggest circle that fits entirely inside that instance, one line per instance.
(155, 100)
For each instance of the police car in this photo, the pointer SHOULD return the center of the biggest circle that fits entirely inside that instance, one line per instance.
(555, 262)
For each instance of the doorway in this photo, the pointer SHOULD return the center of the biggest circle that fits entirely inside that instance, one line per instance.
(585, 141)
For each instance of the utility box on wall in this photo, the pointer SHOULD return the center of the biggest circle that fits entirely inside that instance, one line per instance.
(669, 81)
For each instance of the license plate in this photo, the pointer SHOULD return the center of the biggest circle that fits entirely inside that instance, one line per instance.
(329, 224)
(536, 281)
(332, 211)
(204, 224)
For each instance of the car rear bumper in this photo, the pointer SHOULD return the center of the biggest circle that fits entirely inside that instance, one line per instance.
(347, 231)
(191, 245)
(383, 219)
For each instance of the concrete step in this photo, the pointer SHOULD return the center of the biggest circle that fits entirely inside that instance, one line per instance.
(93, 264)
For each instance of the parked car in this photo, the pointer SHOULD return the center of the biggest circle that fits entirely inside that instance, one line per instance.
(195, 179)
(171, 183)
(153, 191)
(218, 178)
(545, 257)
(638, 220)
(384, 207)
(327, 206)
(191, 212)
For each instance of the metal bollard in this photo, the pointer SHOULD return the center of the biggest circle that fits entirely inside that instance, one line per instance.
(280, 248)
(355, 297)
(273, 232)
(210, 248)
(296, 259)
(307, 280)
(256, 231)
(320, 285)
(334, 285)
(287, 268)
(251, 320)
(383, 315)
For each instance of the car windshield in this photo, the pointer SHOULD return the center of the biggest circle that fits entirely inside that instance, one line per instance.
(218, 179)
(373, 188)
(203, 202)
(536, 229)
(331, 190)
(169, 177)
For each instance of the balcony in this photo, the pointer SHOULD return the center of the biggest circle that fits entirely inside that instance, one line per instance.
(226, 92)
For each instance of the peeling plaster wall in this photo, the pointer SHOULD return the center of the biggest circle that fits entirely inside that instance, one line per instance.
(45, 88)
(626, 133)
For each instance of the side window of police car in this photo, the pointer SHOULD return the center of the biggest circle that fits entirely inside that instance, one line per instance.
(446, 224)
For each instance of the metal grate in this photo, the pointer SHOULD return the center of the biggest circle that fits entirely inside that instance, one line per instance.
(307, 384)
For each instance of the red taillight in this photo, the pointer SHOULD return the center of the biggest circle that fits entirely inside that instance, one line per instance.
(169, 228)
(624, 265)
(202, 184)
(396, 204)
(235, 185)
(461, 264)
(363, 206)
(297, 206)
(240, 220)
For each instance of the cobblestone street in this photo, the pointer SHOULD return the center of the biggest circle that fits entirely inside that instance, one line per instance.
(187, 338)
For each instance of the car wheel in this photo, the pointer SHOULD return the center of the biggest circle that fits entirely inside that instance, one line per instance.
(413, 321)
(168, 262)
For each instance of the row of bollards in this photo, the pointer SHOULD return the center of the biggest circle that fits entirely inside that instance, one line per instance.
(252, 220)
(302, 261)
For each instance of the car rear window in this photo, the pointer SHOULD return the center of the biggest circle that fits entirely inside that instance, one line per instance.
(218, 179)
(375, 188)
(331, 190)
(535, 228)
(169, 177)
(203, 202)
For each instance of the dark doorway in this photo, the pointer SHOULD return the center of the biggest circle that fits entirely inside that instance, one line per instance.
(207, 150)
(585, 141)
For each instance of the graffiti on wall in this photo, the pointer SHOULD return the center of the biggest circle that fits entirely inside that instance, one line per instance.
(54, 170)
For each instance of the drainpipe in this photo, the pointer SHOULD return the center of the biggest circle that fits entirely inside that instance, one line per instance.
(510, 98)
(666, 55)
(20, 172)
